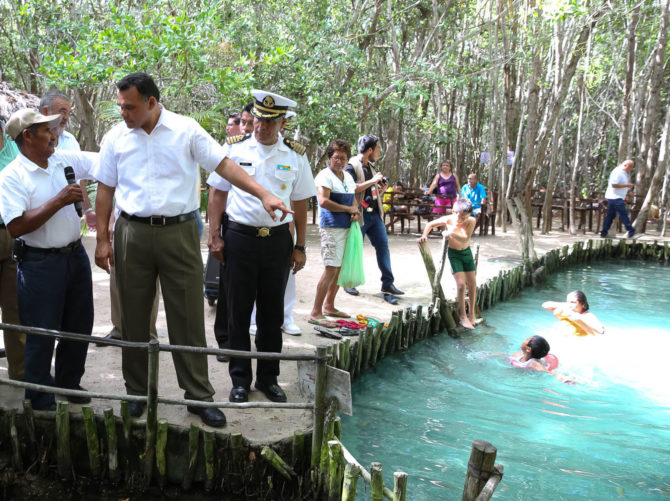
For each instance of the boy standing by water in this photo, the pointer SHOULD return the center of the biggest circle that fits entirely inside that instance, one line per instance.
(459, 227)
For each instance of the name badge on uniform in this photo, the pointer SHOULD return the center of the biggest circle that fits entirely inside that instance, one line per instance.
(245, 164)
(283, 167)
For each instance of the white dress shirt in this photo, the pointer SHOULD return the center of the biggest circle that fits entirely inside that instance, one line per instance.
(67, 142)
(156, 174)
(279, 169)
(25, 186)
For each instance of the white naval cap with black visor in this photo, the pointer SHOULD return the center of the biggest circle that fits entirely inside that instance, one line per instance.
(269, 105)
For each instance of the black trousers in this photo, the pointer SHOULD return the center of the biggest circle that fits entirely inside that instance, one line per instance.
(256, 269)
(221, 318)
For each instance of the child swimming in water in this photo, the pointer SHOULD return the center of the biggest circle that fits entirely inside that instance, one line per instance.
(458, 230)
(574, 315)
(534, 355)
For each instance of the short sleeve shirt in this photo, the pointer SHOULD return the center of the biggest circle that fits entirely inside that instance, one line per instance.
(617, 176)
(67, 142)
(157, 174)
(475, 195)
(279, 169)
(341, 192)
(25, 186)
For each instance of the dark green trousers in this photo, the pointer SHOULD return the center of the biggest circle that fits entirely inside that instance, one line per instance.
(172, 253)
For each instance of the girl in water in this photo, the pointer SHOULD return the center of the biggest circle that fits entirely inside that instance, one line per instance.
(574, 315)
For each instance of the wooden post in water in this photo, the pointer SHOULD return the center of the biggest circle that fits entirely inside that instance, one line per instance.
(491, 484)
(335, 473)
(376, 482)
(351, 472)
(30, 428)
(209, 443)
(161, 443)
(63, 440)
(152, 411)
(17, 461)
(91, 429)
(193, 439)
(480, 468)
(399, 486)
(319, 404)
(112, 445)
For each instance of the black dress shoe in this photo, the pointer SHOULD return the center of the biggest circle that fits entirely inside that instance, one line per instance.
(136, 409)
(49, 407)
(73, 399)
(107, 337)
(223, 358)
(272, 391)
(239, 394)
(391, 289)
(351, 290)
(390, 298)
(209, 415)
(3, 353)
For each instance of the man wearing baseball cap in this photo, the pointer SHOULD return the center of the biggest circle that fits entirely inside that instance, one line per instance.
(259, 252)
(54, 285)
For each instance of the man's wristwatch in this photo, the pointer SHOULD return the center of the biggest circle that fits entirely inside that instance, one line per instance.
(301, 248)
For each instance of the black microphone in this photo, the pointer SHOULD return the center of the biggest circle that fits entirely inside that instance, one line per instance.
(69, 176)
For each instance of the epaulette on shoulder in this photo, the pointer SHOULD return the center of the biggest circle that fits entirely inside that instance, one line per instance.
(295, 146)
(237, 139)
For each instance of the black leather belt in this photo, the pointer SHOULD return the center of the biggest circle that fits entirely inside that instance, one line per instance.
(55, 250)
(160, 220)
(257, 231)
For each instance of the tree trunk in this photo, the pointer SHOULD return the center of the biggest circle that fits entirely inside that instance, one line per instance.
(630, 71)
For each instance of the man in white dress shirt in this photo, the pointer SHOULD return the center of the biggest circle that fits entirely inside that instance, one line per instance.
(54, 285)
(258, 251)
(150, 164)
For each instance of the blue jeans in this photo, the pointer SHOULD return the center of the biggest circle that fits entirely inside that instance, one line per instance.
(616, 207)
(374, 228)
(55, 291)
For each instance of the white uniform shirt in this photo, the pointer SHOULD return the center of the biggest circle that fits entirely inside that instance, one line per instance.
(157, 174)
(617, 176)
(67, 142)
(282, 171)
(25, 186)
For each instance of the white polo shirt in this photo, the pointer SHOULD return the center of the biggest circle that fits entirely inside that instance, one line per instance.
(67, 142)
(277, 168)
(25, 186)
(617, 176)
(157, 174)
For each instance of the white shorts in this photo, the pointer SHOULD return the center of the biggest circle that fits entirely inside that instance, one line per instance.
(333, 242)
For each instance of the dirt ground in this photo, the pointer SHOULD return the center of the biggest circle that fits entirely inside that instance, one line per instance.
(103, 365)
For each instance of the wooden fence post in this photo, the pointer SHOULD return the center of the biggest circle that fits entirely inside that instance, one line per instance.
(152, 411)
(480, 468)
(319, 404)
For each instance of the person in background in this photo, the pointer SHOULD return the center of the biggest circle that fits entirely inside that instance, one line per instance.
(369, 187)
(247, 119)
(475, 192)
(233, 128)
(447, 186)
(54, 285)
(394, 209)
(15, 342)
(618, 185)
(337, 208)
(458, 230)
(57, 102)
(574, 315)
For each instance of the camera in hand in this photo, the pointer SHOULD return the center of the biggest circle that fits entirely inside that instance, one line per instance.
(385, 180)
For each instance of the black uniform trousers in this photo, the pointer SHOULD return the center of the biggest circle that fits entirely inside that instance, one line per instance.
(256, 269)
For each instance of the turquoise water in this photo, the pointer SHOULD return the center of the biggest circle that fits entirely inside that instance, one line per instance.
(606, 437)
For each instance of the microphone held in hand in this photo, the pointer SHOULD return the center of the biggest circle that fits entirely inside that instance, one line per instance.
(69, 176)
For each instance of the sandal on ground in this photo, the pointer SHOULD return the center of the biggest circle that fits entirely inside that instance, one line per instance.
(349, 324)
(346, 331)
(323, 322)
(326, 332)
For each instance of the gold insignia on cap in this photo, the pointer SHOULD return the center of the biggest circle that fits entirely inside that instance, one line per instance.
(269, 102)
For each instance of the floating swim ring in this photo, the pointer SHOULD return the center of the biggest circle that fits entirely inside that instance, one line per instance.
(551, 361)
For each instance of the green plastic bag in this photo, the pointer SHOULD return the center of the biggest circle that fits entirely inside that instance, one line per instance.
(351, 273)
